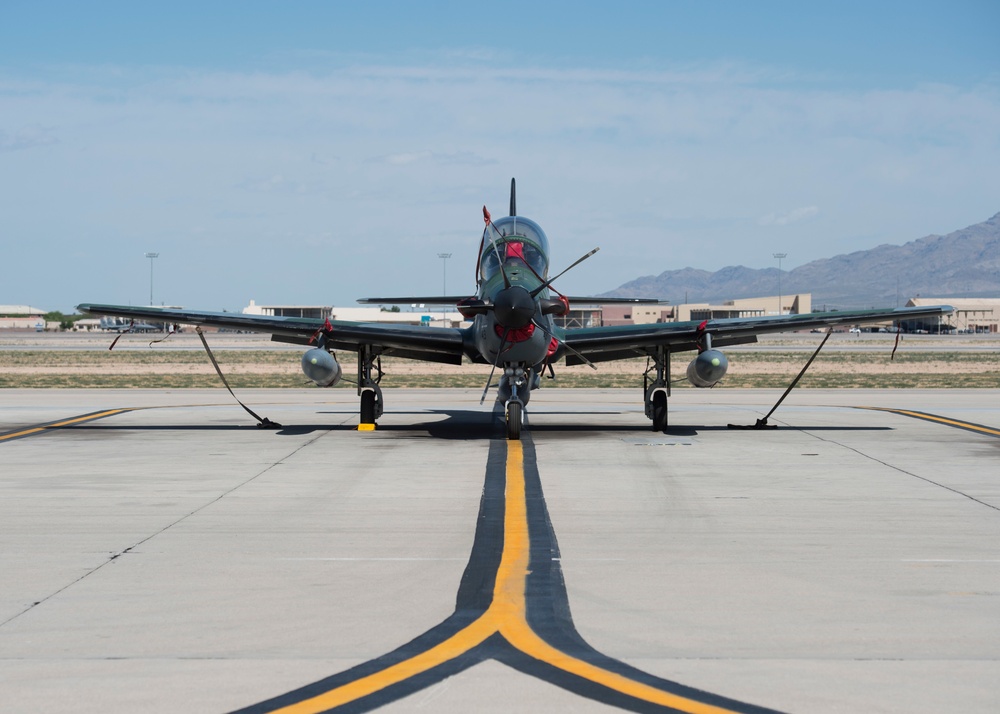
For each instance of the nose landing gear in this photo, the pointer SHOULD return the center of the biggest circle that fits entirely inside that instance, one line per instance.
(515, 414)
(515, 379)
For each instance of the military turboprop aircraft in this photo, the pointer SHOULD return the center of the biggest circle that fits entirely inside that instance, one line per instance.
(513, 329)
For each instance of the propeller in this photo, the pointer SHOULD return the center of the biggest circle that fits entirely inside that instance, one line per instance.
(514, 308)
(552, 280)
(534, 293)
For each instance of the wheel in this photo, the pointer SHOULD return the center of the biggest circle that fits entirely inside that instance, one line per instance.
(660, 411)
(514, 421)
(368, 407)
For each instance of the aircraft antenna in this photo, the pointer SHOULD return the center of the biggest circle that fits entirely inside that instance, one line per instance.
(513, 206)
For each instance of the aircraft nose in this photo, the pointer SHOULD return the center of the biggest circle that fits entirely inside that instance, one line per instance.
(514, 307)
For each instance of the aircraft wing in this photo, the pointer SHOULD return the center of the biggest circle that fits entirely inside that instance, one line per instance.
(432, 344)
(619, 342)
(453, 300)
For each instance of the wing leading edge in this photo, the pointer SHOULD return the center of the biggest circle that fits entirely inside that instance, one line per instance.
(452, 300)
(618, 342)
(446, 344)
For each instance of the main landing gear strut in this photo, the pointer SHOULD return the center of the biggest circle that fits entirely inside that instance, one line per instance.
(656, 387)
(369, 375)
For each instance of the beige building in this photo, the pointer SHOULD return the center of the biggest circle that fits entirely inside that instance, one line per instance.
(319, 312)
(744, 307)
(407, 315)
(971, 314)
(635, 314)
(21, 317)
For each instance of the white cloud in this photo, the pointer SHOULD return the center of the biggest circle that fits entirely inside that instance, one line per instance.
(406, 158)
(28, 137)
(456, 158)
(268, 183)
(784, 219)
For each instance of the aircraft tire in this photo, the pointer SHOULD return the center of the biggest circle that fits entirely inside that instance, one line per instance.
(514, 421)
(368, 407)
(660, 414)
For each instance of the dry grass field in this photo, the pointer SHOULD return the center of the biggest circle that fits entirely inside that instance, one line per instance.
(32, 360)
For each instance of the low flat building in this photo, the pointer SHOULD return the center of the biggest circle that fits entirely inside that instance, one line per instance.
(687, 312)
(318, 312)
(407, 315)
(580, 317)
(971, 314)
(21, 317)
(795, 304)
(636, 314)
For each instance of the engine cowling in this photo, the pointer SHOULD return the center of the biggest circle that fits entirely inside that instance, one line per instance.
(707, 368)
(320, 366)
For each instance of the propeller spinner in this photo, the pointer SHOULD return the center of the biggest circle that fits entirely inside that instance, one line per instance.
(514, 308)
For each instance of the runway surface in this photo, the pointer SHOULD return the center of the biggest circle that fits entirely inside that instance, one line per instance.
(159, 553)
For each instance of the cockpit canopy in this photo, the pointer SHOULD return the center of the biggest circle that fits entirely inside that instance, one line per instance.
(518, 242)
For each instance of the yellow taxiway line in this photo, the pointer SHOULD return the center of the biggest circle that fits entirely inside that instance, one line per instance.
(60, 424)
(507, 616)
(939, 419)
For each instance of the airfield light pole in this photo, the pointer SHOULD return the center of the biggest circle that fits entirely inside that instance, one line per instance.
(444, 272)
(444, 282)
(151, 256)
(779, 256)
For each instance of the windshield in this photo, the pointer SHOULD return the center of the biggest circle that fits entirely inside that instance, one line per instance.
(518, 242)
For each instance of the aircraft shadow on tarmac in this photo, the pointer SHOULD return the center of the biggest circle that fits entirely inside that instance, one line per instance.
(462, 425)
(692, 430)
(472, 424)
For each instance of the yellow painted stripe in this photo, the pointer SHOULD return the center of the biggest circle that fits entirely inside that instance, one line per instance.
(941, 420)
(60, 424)
(508, 602)
(507, 606)
(510, 607)
(522, 637)
(507, 615)
(508, 591)
(456, 645)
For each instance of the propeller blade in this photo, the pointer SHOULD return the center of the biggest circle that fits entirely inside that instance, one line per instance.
(552, 280)
(472, 306)
(496, 249)
(506, 280)
(503, 341)
(563, 343)
(513, 199)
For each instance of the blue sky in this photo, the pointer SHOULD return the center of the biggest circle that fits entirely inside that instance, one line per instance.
(319, 152)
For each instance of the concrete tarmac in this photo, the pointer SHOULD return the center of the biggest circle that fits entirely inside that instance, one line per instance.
(173, 557)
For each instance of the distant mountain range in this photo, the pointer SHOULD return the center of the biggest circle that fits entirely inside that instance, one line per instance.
(965, 263)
